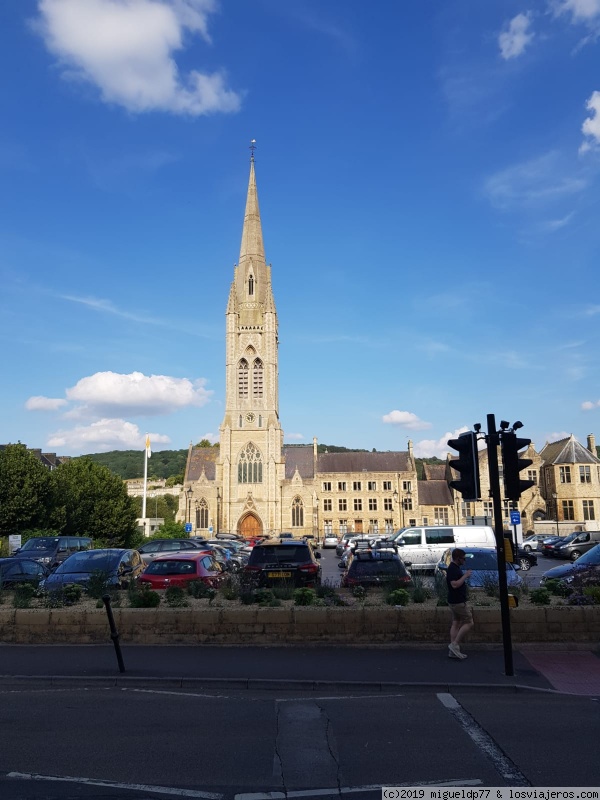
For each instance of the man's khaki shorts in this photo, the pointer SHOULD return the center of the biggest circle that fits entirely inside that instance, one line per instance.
(461, 613)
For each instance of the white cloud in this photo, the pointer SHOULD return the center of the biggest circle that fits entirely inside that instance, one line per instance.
(427, 448)
(40, 403)
(111, 393)
(580, 10)
(125, 48)
(535, 182)
(405, 419)
(103, 435)
(588, 405)
(591, 126)
(294, 436)
(516, 37)
(556, 224)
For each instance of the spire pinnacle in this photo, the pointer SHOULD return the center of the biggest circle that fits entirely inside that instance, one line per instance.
(252, 241)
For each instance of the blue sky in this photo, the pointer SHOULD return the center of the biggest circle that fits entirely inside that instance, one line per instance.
(429, 182)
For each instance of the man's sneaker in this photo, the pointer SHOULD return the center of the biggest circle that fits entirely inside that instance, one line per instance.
(454, 651)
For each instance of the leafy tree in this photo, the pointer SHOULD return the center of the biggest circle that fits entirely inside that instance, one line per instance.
(130, 463)
(205, 443)
(174, 480)
(26, 496)
(171, 530)
(94, 502)
(162, 506)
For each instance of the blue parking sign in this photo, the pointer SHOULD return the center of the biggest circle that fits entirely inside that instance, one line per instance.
(515, 518)
(188, 527)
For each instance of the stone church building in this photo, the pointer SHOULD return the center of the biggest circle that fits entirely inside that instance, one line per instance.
(252, 483)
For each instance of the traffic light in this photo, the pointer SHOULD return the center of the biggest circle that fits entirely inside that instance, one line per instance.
(467, 465)
(514, 486)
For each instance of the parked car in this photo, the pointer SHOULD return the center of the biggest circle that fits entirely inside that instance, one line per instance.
(225, 556)
(330, 540)
(181, 569)
(526, 559)
(586, 568)
(534, 542)
(239, 553)
(375, 568)
(425, 546)
(161, 547)
(21, 570)
(342, 543)
(579, 544)
(547, 546)
(483, 562)
(292, 562)
(52, 550)
(119, 567)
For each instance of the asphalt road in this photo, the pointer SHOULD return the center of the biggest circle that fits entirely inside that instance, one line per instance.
(118, 743)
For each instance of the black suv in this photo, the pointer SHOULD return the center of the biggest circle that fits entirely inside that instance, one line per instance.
(52, 550)
(276, 563)
(375, 568)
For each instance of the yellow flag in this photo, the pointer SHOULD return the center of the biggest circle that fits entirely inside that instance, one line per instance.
(148, 448)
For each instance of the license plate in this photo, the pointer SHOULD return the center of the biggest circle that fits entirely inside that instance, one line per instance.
(279, 574)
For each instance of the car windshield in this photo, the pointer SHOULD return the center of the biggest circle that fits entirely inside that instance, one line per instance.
(286, 553)
(172, 567)
(481, 561)
(591, 557)
(41, 543)
(569, 538)
(90, 561)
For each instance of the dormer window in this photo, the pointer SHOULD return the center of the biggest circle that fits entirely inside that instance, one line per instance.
(251, 285)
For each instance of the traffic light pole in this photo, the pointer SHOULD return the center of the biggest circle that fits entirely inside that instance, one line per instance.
(493, 440)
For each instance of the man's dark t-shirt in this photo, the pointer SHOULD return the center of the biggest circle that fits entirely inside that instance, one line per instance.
(454, 573)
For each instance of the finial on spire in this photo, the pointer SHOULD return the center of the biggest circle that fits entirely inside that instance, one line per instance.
(252, 148)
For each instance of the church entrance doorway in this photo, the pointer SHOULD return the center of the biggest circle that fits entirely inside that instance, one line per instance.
(358, 528)
(250, 527)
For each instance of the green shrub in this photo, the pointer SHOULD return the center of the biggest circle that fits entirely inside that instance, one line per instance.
(399, 597)
(230, 588)
(97, 584)
(540, 597)
(304, 597)
(441, 588)
(263, 596)
(24, 593)
(325, 589)
(175, 597)
(489, 584)
(200, 590)
(72, 593)
(284, 592)
(143, 596)
(558, 588)
(419, 595)
(593, 592)
(420, 590)
(359, 592)
(246, 597)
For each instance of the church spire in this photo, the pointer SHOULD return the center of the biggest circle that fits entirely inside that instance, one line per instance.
(252, 247)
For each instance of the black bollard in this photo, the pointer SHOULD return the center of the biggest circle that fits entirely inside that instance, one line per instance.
(114, 634)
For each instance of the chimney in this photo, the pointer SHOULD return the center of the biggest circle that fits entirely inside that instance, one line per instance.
(410, 449)
(591, 439)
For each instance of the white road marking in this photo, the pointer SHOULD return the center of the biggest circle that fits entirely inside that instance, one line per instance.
(508, 769)
(177, 694)
(336, 697)
(137, 787)
(338, 791)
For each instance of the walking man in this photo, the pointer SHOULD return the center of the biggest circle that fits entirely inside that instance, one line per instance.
(462, 616)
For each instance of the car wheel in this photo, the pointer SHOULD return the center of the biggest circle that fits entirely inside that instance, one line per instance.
(575, 555)
(527, 548)
(525, 565)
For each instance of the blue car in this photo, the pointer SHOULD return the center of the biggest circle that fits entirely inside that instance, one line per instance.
(587, 567)
(484, 563)
(119, 568)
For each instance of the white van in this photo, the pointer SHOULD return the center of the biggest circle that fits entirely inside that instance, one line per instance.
(423, 547)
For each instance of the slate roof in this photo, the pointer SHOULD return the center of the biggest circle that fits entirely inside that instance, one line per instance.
(300, 456)
(434, 493)
(363, 462)
(202, 458)
(434, 472)
(567, 451)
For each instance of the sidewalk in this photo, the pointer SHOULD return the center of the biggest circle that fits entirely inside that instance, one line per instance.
(536, 667)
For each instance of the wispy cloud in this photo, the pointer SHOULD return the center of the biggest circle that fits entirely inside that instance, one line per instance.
(296, 436)
(40, 403)
(589, 405)
(428, 448)
(533, 183)
(126, 50)
(556, 224)
(515, 38)
(591, 126)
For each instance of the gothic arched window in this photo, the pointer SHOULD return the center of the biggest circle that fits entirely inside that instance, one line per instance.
(250, 468)
(202, 514)
(297, 513)
(257, 374)
(243, 378)
(251, 285)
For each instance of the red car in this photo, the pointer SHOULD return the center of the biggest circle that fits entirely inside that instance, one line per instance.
(180, 569)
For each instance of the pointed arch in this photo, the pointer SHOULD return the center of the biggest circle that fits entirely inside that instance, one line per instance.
(243, 370)
(251, 285)
(250, 465)
(297, 513)
(201, 514)
(257, 379)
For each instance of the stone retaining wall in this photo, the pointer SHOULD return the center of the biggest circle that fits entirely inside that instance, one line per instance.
(252, 624)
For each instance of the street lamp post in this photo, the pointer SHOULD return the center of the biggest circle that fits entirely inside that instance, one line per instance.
(218, 499)
(395, 503)
(555, 498)
(188, 511)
